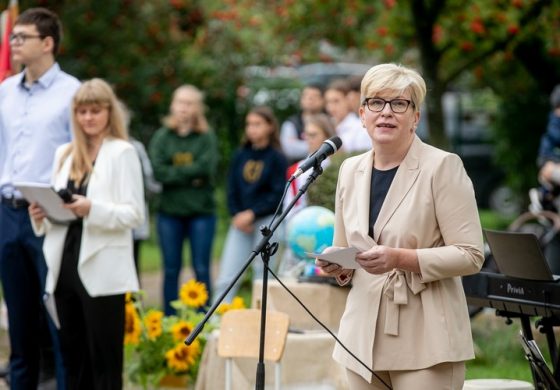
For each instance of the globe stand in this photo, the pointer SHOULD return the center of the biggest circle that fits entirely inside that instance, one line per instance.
(266, 250)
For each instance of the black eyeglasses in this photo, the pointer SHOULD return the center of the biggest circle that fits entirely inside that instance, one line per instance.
(398, 106)
(20, 38)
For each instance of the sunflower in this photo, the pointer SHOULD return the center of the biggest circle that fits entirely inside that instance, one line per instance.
(155, 342)
(132, 328)
(223, 308)
(182, 356)
(236, 303)
(181, 330)
(193, 294)
(152, 322)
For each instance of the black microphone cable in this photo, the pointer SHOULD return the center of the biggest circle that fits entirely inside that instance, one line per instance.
(326, 328)
(280, 204)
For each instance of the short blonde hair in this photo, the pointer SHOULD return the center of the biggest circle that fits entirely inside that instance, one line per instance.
(396, 78)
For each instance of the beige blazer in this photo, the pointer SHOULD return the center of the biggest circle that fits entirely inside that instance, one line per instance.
(106, 264)
(409, 320)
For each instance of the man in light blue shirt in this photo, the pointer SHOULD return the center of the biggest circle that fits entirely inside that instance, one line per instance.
(34, 121)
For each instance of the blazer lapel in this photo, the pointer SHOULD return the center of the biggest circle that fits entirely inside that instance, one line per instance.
(61, 178)
(91, 244)
(404, 180)
(362, 180)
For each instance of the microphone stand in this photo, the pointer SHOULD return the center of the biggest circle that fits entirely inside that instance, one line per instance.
(266, 250)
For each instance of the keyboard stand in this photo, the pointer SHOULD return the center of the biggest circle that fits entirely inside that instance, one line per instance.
(543, 378)
(546, 325)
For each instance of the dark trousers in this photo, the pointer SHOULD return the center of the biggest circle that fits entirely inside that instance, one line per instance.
(172, 232)
(136, 253)
(23, 271)
(91, 333)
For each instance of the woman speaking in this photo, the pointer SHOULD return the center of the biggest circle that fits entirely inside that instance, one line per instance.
(410, 210)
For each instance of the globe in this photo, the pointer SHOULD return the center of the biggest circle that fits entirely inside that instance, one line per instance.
(310, 230)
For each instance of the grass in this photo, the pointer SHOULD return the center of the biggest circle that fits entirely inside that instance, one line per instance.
(492, 220)
(150, 256)
(498, 350)
(497, 347)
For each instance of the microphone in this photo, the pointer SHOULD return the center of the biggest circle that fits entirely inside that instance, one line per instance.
(328, 148)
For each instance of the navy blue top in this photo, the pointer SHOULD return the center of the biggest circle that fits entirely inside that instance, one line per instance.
(550, 142)
(256, 180)
(380, 184)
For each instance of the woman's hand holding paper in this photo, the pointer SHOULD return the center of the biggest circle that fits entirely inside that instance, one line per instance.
(79, 206)
(36, 213)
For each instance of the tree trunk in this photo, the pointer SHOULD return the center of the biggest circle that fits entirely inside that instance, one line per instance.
(533, 55)
(434, 110)
(424, 16)
(438, 136)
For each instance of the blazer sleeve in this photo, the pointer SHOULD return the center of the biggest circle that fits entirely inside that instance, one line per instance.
(126, 210)
(459, 224)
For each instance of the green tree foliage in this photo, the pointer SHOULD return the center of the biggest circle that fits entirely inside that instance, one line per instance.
(323, 192)
(133, 44)
(513, 46)
(146, 48)
(446, 38)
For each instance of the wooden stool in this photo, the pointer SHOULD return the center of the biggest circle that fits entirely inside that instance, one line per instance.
(240, 337)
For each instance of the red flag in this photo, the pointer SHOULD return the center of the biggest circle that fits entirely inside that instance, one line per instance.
(8, 18)
(5, 62)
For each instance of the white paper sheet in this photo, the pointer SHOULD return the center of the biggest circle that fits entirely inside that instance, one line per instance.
(345, 257)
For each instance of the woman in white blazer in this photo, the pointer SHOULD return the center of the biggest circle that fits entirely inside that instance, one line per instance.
(410, 210)
(90, 261)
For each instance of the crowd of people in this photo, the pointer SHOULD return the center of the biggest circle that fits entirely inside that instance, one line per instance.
(62, 280)
(407, 207)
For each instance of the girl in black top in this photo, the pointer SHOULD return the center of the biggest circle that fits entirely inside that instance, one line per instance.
(256, 182)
